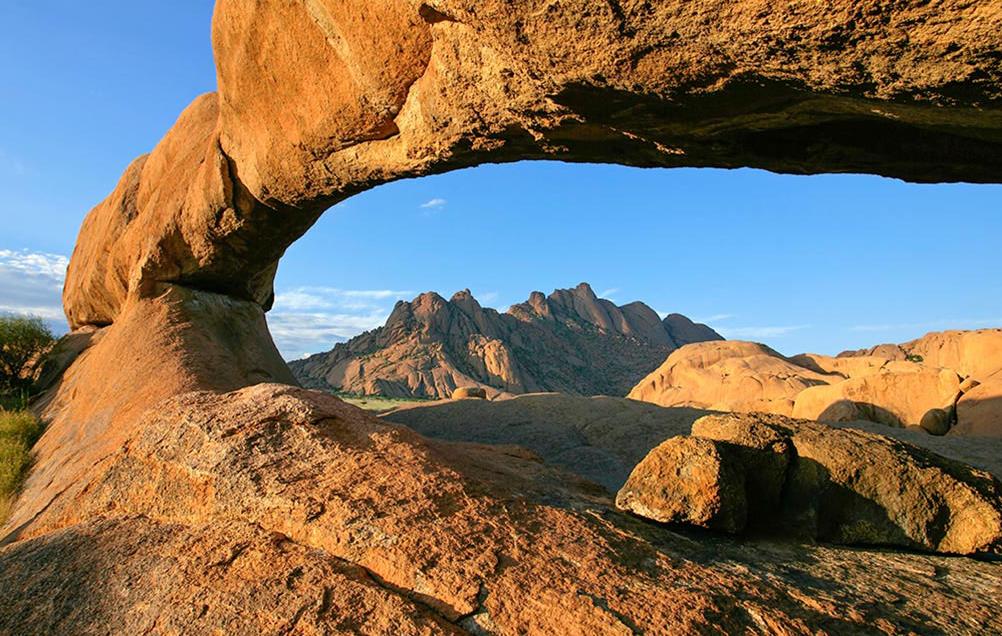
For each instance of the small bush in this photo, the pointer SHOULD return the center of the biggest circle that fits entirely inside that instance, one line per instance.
(22, 340)
(19, 430)
(914, 357)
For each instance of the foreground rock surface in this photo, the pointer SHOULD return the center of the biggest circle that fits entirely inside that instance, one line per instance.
(840, 485)
(276, 508)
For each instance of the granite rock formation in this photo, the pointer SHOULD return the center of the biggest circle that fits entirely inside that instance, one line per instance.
(809, 480)
(190, 502)
(943, 382)
(570, 341)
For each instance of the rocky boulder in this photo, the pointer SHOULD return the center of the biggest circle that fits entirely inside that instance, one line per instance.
(979, 410)
(688, 480)
(839, 485)
(468, 392)
(900, 393)
(728, 376)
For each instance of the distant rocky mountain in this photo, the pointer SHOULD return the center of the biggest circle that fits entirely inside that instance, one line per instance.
(570, 341)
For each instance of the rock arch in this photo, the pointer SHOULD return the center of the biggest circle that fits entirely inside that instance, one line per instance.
(321, 99)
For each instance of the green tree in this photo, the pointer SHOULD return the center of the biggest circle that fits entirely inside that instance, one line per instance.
(22, 339)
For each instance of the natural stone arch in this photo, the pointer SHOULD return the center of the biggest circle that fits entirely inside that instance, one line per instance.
(319, 100)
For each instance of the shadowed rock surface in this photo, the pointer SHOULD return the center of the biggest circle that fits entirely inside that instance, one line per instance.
(603, 438)
(599, 438)
(570, 341)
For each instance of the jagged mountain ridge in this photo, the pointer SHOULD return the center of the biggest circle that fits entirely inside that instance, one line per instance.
(570, 341)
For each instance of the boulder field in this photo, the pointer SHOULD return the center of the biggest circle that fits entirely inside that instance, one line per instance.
(182, 484)
(943, 382)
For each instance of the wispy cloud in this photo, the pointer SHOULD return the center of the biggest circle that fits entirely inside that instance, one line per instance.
(714, 318)
(608, 293)
(760, 332)
(434, 204)
(487, 297)
(311, 319)
(953, 323)
(32, 283)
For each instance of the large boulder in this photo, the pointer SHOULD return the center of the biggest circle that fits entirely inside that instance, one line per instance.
(901, 393)
(688, 480)
(840, 485)
(728, 376)
(469, 392)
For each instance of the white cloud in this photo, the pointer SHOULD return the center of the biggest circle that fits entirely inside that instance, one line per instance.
(434, 204)
(608, 293)
(739, 333)
(32, 283)
(486, 297)
(311, 319)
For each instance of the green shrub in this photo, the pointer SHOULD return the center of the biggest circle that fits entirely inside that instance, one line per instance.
(19, 430)
(22, 340)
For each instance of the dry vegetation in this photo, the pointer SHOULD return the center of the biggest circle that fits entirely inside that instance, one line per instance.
(19, 430)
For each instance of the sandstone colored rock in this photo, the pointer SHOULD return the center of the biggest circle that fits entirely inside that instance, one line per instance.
(467, 392)
(847, 367)
(976, 353)
(728, 376)
(688, 480)
(841, 485)
(235, 511)
(571, 342)
(979, 410)
(900, 394)
(320, 100)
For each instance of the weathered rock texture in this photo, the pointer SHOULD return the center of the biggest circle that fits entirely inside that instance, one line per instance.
(598, 438)
(838, 485)
(148, 464)
(942, 382)
(320, 99)
(570, 341)
(274, 508)
(976, 356)
(727, 376)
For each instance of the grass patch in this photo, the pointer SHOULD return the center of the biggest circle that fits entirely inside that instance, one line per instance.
(19, 430)
(378, 403)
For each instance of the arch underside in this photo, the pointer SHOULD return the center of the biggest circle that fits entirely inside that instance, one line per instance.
(319, 100)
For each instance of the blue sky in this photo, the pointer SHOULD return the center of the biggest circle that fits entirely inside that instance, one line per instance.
(802, 263)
